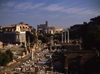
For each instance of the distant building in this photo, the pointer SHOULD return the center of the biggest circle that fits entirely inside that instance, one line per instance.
(16, 28)
(49, 30)
(45, 29)
(40, 28)
(58, 30)
(14, 33)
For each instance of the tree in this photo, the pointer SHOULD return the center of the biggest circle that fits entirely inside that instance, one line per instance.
(92, 40)
(1, 58)
(44, 38)
(40, 37)
(5, 57)
(10, 54)
(31, 36)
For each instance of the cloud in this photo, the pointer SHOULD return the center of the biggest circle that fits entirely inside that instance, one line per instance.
(70, 9)
(28, 5)
(37, 5)
(53, 7)
(4, 10)
(21, 13)
(53, 16)
(10, 4)
(23, 6)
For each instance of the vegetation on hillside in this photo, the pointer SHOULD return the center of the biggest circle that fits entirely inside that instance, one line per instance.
(6, 57)
(30, 37)
(89, 32)
(44, 38)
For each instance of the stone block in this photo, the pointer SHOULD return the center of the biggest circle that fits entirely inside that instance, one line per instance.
(23, 54)
(19, 57)
(23, 69)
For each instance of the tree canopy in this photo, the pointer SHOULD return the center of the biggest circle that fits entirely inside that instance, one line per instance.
(43, 38)
(30, 37)
(5, 58)
(90, 33)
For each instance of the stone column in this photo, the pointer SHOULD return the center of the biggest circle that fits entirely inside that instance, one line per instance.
(50, 47)
(25, 49)
(25, 44)
(65, 37)
(62, 37)
(36, 70)
(66, 65)
(31, 54)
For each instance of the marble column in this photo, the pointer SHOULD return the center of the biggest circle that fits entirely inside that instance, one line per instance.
(31, 54)
(25, 44)
(65, 37)
(62, 37)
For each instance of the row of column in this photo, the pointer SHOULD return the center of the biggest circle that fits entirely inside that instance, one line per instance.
(65, 37)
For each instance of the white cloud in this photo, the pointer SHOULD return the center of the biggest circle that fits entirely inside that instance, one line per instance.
(37, 5)
(4, 10)
(53, 7)
(21, 13)
(23, 6)
(9, 4)
(70, 9)
(53, 16)
(29, 5)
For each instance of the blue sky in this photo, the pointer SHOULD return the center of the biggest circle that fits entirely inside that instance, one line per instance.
(58, 13)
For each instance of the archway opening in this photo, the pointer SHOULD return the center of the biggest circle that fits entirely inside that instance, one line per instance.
(73, 67)
(58, 67)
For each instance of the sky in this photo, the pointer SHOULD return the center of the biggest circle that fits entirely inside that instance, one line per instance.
(58, 13)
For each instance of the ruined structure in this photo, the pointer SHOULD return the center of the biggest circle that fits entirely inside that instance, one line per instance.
(64, 38)
(76, 62)
(14, 33)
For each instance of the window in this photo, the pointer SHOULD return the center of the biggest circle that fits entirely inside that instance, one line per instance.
(17, 36)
